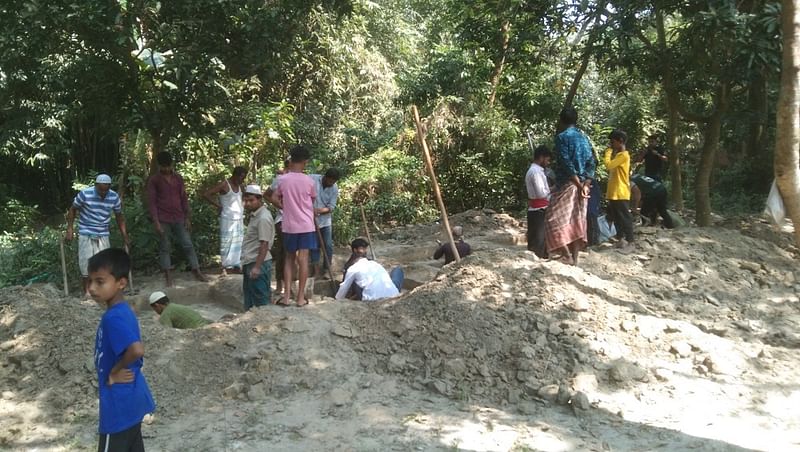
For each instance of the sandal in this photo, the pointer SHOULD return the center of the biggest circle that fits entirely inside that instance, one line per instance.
(281, 301)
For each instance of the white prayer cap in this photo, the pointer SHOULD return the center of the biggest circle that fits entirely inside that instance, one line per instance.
(157, 295)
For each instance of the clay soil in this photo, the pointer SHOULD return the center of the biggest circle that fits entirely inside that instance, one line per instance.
(689, 343)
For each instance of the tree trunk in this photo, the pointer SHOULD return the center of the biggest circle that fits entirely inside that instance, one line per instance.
(675, 169)
(576, 81)
(759, 108)
(159, 144)
(787, 140)
(494, 81)
(710, 145)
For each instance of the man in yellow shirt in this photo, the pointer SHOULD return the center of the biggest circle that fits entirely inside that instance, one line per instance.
(618, 163)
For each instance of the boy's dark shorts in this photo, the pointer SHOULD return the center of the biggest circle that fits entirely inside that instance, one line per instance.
(125, 441)
(301, 241)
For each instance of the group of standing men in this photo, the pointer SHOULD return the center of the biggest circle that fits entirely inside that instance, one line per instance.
(557, 219)
(305, 203)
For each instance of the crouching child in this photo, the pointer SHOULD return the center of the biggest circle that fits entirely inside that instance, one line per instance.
(124, 396)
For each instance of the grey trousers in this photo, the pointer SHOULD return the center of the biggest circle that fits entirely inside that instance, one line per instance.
(184, 240)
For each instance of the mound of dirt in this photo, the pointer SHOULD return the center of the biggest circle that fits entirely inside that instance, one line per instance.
(645, 348)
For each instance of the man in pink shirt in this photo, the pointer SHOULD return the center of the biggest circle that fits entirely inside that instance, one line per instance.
(295, 195)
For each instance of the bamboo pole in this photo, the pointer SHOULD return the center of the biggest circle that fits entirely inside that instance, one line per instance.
(322, 250)
(130, 271)
(63, 266)
(366, 230)
(436, 191)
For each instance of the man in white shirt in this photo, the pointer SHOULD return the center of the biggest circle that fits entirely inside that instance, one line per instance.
(368, 279)
(538, 200)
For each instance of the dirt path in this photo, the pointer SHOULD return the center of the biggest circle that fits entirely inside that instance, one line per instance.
(689, 344)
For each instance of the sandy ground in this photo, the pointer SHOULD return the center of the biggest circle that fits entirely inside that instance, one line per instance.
(690, 343)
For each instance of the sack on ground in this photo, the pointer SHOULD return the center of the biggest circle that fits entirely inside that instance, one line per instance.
(605, 231)
(775, 210)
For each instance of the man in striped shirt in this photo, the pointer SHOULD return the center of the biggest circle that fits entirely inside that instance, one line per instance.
(94, 205)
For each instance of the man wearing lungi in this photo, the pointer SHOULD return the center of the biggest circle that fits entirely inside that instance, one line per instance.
(565, 221)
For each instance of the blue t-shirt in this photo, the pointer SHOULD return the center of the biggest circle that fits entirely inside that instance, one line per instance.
(95, 212)
(575, 156)
(122, 405)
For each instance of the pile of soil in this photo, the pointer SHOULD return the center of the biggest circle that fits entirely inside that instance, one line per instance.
(690, 342)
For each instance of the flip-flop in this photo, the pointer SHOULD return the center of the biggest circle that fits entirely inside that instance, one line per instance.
(302, 305)
(281, 301)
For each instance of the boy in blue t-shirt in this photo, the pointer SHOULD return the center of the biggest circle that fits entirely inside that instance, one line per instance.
(124, 395)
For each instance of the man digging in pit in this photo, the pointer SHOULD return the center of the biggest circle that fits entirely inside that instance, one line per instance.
(565, 220)
(94, 206)
(367, 280)
(175, 315)
(445, 250)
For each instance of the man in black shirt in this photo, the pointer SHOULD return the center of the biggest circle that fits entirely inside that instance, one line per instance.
(654, 199)
(653, 157)
(444, 249)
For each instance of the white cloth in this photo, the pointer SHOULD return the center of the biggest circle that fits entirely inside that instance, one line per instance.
(232, 204)
(88, 246)
(231, 235)
(326, 197)
(371, 277)
(231, 227)
(536, 184)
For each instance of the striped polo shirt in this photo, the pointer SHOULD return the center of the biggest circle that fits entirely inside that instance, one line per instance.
(95, 212)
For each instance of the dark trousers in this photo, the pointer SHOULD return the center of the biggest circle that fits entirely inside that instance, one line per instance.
(184, 240)
(536, 232)
(655, 205)
(620, 212)
(125, 441)
(257, 291)
(592, 229)
(278, 253)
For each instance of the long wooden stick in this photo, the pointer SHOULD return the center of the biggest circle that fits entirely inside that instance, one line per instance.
(130, 271)
(366, 230)
(429, 164)
(323, 250)
(63, 266)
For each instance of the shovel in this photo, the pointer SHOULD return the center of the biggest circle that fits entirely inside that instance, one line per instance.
(63, 265)
(130, 272)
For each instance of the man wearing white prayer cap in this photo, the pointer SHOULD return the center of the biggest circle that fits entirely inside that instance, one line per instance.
(256, 259)
(94, 206)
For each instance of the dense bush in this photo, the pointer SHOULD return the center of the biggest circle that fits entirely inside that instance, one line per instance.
(390, 185)
(29, 257)
(16, 216)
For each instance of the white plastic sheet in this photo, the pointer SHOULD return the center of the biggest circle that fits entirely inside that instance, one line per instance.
(775, 210)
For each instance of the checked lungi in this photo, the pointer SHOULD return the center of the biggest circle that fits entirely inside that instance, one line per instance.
(565, 220)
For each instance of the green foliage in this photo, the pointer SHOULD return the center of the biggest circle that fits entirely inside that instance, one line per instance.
(15, 216)
(29, 257)
(391, 187)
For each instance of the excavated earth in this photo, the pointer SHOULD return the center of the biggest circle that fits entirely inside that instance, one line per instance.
(689, 343)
